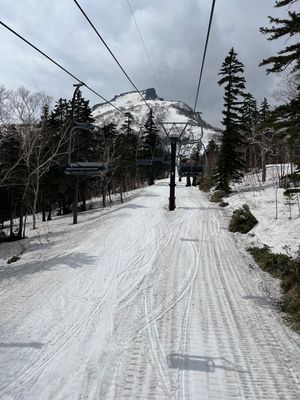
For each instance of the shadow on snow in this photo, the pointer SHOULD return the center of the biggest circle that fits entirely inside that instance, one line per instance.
(35, 345)
(74, 260)
(203, 364)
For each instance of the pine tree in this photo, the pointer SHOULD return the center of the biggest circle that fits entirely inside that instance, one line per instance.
(11, 175)
(211, 152)
(249, 119)
(151, 141)
(230, 163)
(249, 111)
(127, 143)
(287, 118)
(150, 136)
(60, 114)
(265, 136)
(126, 127)
(86, 143)
(288, 27)
(264, 110)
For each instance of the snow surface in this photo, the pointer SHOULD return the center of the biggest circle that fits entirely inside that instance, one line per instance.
(281, 234)
(136, 302)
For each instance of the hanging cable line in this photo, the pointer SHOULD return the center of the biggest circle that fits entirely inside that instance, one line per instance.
(204, 53)
(144, 45)
(111, 53)
(65, 70)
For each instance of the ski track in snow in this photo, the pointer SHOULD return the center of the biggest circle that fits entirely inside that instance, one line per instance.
(141, 303)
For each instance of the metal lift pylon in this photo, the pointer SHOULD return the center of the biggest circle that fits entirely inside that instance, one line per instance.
(175, 135)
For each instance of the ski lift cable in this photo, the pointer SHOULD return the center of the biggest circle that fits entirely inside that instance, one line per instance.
(65, 70)
(110, 51)
(144, 46)
(205, 50)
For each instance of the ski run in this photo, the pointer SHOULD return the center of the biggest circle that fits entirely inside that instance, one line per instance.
(136, 302)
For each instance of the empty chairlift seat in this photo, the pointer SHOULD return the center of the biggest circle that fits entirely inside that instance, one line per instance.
(85, 168)
(190, 170)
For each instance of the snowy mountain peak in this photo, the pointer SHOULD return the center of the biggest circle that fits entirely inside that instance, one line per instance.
(164, 110)
(148, 94)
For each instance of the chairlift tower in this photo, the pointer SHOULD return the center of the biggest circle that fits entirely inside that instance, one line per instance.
(174, 132)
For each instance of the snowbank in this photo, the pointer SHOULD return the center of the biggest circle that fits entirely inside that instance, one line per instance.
(275, 228)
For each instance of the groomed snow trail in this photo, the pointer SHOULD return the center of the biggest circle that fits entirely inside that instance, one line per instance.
(140, 303)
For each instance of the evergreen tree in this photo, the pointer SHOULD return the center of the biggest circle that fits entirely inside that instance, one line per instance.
(126, 127)
(249, 118)
(288, 27)
(59, 126)
(264, 110)
(249, 112)
(265, 138)
(150, 136)
(127, 143)
(287, 118)
(286, 121)
(211, 152)
(230, 164)
(60, 114)
(86, 142)
(151, 141)
(11, 176)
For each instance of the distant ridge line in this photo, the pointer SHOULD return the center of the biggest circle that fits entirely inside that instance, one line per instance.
(149, 94)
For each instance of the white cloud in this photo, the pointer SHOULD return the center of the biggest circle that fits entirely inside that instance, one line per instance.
(174, 32)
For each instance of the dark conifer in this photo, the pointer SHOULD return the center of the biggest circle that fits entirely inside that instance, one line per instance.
(150, 135)
(153, 147)
(249, 119)
(230, 163)
(290, 28)
(210, 158)
(287, 116)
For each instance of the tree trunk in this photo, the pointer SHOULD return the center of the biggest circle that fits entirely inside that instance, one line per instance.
(104, 196)
(109, 196)
(24, 226)
(263, 166)
(64, 206)
(20, 230)
(35, 199)
(75, 202)
(11, 222)
(121, 192)
(83, 196)
(49, 218)
(43, 207)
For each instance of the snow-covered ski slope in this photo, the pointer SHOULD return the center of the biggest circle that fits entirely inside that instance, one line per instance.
(136, 302)
(164, 111)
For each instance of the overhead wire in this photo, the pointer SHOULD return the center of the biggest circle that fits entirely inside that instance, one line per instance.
(111, 53)
(204, 53)
(65, 70)
(144, 45)
(116, 60)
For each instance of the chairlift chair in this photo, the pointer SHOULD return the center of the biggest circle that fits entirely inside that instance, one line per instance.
(191, 170)
(85, 168)
(144, 155)
(163, 157)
